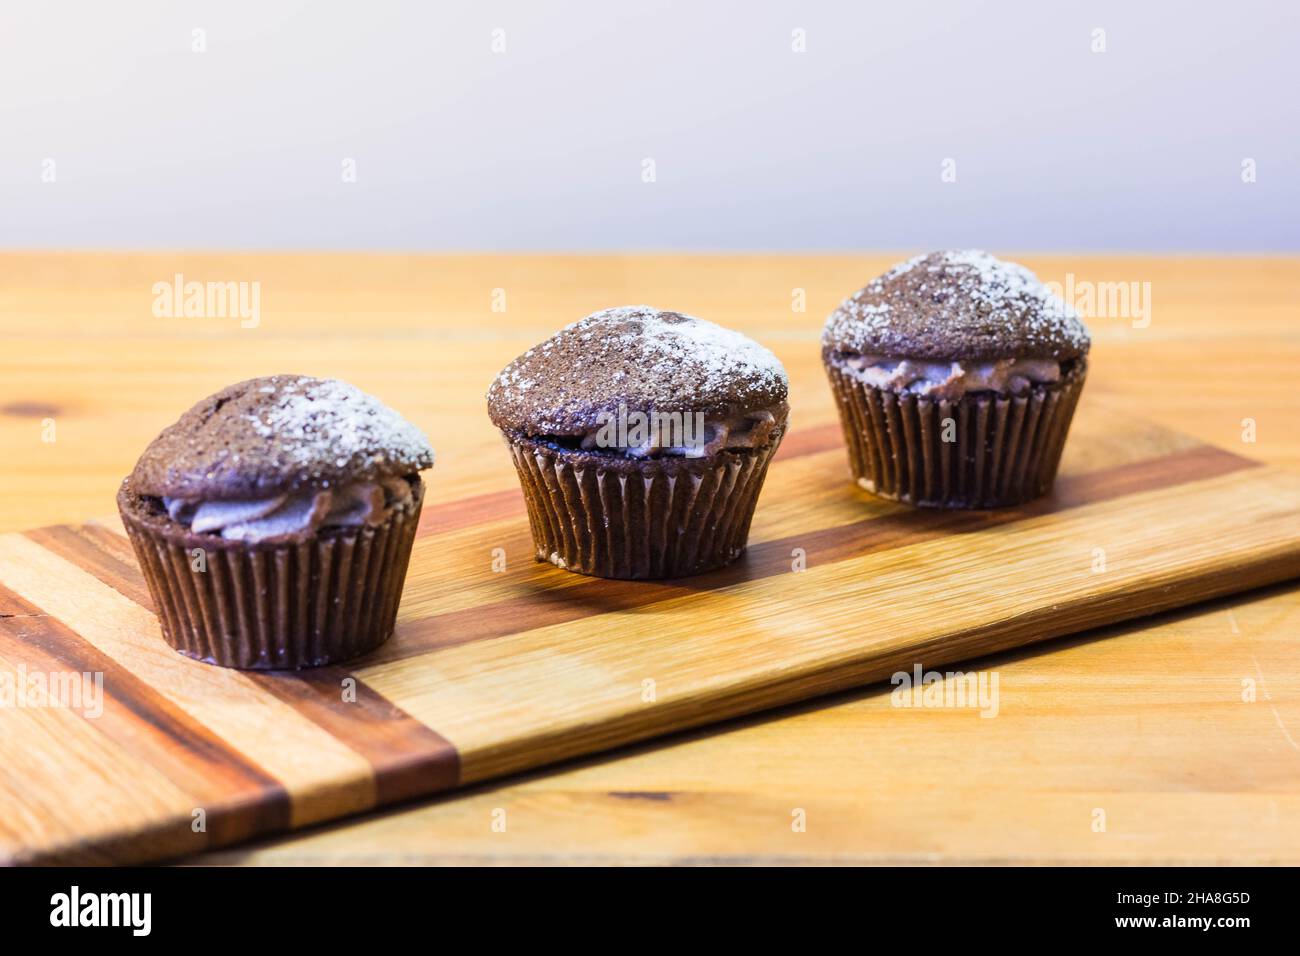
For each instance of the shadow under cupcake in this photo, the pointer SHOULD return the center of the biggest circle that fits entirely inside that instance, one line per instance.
(641, 439)
(956, 376)
(274, 522)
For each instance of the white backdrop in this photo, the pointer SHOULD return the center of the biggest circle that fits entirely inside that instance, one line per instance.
(524, 125)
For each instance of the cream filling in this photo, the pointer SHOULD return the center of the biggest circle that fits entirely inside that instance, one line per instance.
(684, 435)
(952, 380)
(362, 504)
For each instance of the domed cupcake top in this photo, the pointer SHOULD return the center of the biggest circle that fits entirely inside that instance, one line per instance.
(956, 305)
(638, 357)
(279, 434)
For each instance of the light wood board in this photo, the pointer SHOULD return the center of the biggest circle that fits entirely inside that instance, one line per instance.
(495, 671)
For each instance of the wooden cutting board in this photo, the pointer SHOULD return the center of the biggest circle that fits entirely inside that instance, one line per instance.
(494, 670)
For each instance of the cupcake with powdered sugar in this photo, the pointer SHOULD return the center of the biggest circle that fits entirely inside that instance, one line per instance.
(274, 522)
(956, 375)
(641, 438)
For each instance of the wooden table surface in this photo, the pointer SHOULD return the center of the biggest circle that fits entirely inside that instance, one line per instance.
(1145, 724)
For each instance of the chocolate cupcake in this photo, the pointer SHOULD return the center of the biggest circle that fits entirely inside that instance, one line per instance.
(641, 438)
(956, 375)
(274, 522)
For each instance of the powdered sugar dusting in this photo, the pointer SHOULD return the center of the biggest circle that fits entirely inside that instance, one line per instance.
(864, 320)
(671, 339)
(959, 293)
(638, 355)
(325, 420)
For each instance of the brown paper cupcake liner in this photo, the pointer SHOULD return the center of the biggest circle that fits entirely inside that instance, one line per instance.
(1004, 450)
(660, 518)
(307, 603)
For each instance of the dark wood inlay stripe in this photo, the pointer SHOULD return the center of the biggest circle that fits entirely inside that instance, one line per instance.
(442, 517)
(407, 757)
(903, 526)
(241, 799)
(898, 528)
(446, 516)
(94, 548)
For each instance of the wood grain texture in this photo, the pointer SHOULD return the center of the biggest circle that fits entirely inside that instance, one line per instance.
(1191, 783)
(552, 666)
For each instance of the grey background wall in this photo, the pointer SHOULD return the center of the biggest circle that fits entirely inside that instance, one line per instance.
(664, 124)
